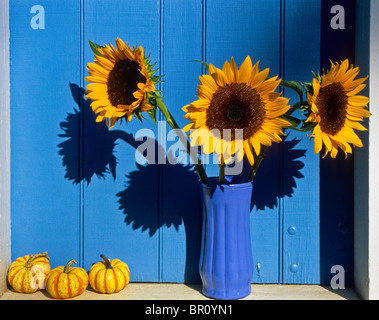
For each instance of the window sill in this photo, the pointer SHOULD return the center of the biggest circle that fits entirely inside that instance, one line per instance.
(168, 291)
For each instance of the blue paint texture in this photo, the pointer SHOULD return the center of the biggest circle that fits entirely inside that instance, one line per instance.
(76, 188)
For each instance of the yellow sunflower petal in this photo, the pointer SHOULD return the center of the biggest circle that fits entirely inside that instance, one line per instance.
(96, 79)
(358, 101)
(207, 80)
(204, 92)
(355, 125)
(229, 74)
(358, 89)
(259, 78)
(217, 75)
(245, 70)
(188, 127)
(105, 63)
(317, 143)
(248, 152)
(256, 145)
(234, 69)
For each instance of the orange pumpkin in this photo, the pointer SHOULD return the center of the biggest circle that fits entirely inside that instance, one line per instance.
(109, 276)
(27, 274)
(66, 282)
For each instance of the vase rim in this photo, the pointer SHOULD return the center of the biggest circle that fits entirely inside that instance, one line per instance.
(214, 184)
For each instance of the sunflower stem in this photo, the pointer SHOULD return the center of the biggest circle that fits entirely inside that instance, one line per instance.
(221, 176)
(183, 138)
(295, 86)
(254, 168)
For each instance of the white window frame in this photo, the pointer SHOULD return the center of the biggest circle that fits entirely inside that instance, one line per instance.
(5, 237)
(366, 173)
(366, 224)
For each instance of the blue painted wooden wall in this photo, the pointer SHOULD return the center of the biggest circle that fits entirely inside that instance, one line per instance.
(77, 190)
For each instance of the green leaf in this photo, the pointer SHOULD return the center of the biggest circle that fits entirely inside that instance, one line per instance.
(153, 115)
(152, 99)
(293, 85)
(295, 122)
(138, 116)
(308, 126)
(309, 88)
(94, 47)
(206, 65)
(295, 107)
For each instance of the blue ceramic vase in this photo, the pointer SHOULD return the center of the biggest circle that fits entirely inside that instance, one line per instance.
(226, 262)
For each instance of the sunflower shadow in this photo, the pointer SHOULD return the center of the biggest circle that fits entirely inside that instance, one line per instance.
(272, 182)
(178, 200)
(179, 204)
(93, 153)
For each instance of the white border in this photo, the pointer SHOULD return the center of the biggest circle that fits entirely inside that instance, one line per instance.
(5, 245)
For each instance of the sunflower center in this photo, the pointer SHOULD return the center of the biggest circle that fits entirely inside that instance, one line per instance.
(332, 106)
(236, 112)
(236, 106)
(123, 81)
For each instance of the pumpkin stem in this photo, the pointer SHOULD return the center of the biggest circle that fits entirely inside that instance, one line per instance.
(28, 263)
(68, 265)
(106, 262)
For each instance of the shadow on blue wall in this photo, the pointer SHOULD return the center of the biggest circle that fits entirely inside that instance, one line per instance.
(78, 153)
(88, 151)
(272, 182)
(179, 203)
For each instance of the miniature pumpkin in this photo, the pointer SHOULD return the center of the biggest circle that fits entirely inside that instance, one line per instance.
(27, 274)
(109, 276)
(66, 282)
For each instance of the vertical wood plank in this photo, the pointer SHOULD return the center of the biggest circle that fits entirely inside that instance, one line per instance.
(362, 175)
(336, 175)
(45, 206)
(181, 208)
(121, 210)
(240, 28)
(301, 240)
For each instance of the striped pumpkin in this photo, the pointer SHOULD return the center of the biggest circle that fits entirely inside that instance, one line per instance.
(66, 282)
(109, 276)
(27, 274)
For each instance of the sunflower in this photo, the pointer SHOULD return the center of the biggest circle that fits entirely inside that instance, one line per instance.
(237, 111)
(120, 80)
(337, 109)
